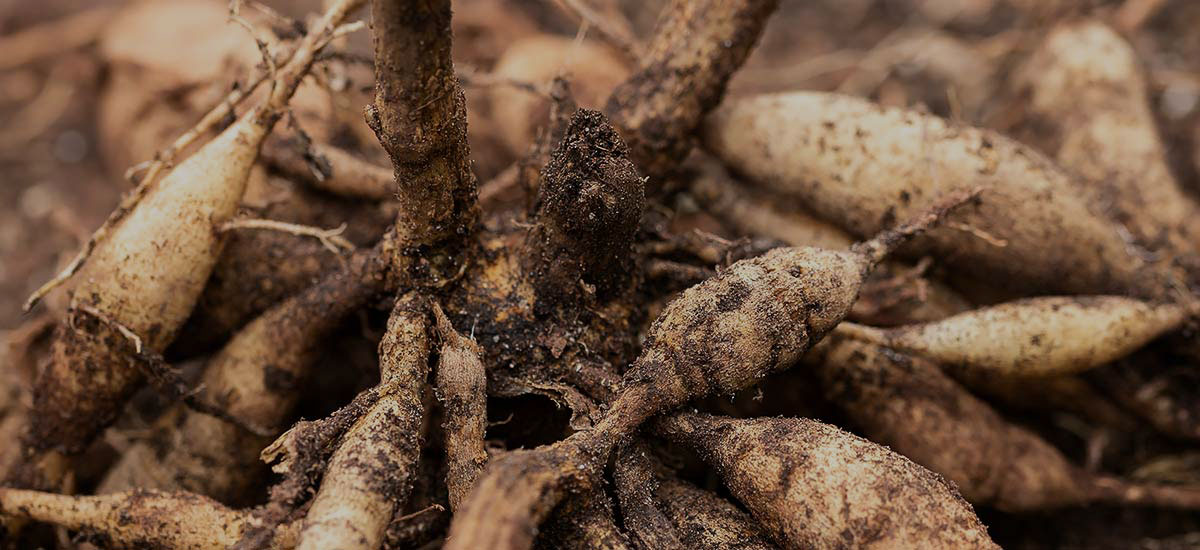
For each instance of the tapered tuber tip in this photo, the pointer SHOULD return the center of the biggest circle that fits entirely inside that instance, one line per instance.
(444, 328)
(862, 333)
(888, 240)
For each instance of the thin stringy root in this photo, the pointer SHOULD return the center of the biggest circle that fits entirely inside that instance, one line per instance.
(331, 239)
(960, 234)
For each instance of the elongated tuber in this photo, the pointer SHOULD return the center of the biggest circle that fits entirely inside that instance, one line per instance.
(911, 406)
(143, 519)
(370, 473)
(815, 486)
(1086, 85)
(862, 166)
(756, 214)
(147, 274)
(255, 378)
(1035, 336)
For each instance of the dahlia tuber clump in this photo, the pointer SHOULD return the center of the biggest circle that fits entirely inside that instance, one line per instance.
(924, 275)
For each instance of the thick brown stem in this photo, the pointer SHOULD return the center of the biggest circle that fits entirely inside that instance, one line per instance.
(419, 116)
(696, 48)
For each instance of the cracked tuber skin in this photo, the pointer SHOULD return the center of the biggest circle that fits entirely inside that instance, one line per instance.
(815, 486)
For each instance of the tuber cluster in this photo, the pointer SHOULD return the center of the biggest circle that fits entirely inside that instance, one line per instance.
(558, 274)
